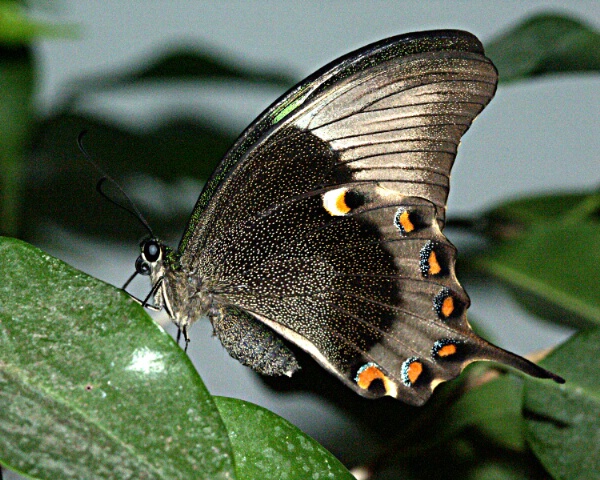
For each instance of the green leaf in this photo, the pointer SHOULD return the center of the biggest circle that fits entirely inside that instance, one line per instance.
(504, 467)
(91, 387)
(545, 43)
(549, 256)
(62, 188)
(193, 64)
(510, 219)
(563, 421)
(16, 85)
(267, 446)
(17, 31)
(493, 408)
(181, 64)
(16, 28)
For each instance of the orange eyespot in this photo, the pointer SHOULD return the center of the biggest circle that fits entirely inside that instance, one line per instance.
(444, 348)
(447, 306)
(411, 371)
(429, 261)
(403, 221)
(434, 266)
(340, 203)
(334, 202)
(447, 350)
(371, 372)
(367, 373)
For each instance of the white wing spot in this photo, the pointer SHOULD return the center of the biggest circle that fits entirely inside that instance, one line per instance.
(334, 202)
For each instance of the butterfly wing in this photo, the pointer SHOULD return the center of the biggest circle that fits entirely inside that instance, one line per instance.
(306, 95)
(325, 220)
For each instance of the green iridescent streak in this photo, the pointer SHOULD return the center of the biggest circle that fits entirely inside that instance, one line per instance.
(289, 105)
(172, 259)
(350, 64)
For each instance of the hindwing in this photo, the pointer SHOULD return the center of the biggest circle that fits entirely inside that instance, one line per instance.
(324, 221)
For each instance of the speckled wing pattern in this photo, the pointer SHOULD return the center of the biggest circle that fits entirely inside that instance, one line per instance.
(324, 221)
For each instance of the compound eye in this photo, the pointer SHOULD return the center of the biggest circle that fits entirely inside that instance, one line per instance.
(151, 250)
(141, 266)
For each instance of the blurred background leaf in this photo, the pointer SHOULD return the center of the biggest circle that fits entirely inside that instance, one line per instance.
(179, 147)
(17, 27)
(547, 250)
(543, 44)
(563, 421)
(178, 64)
(17, 71)
(16, 117)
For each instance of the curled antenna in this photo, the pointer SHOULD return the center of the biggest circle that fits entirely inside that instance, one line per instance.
(131, 208)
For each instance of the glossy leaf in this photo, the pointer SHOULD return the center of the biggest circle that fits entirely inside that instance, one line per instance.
(549, 258)
(563, 421)
(91, 387)
(543, 44)
(267, 446)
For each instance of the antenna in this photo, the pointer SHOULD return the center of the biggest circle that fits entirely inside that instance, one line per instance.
(132, 208)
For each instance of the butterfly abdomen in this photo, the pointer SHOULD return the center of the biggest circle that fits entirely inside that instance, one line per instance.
(252, 343)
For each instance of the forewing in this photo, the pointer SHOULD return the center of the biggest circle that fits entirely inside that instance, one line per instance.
(328, 229)
(326, 83)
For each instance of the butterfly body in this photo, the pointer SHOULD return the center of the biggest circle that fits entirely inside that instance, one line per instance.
(323, 224)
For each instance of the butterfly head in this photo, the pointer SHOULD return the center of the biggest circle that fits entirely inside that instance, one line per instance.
(151, 256)
(154, 258)
(183, 299)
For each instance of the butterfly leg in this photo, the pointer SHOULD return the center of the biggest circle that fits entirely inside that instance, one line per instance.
(252, 343)
(183, 330)
(145, 303)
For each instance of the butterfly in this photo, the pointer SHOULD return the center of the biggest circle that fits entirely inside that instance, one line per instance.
(322, 225)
